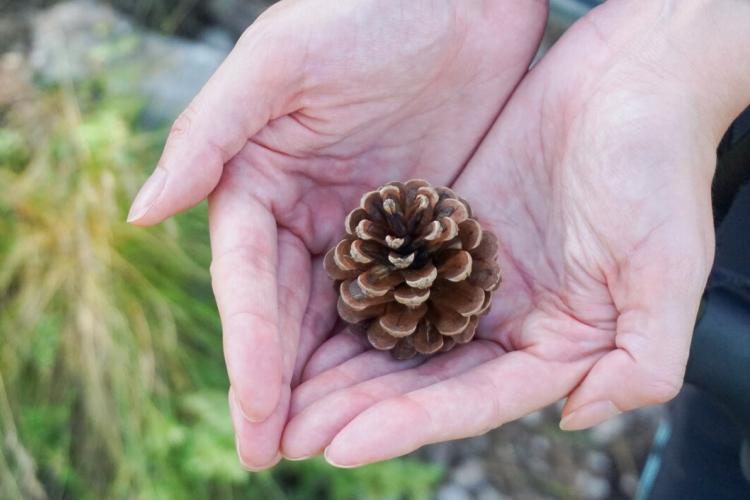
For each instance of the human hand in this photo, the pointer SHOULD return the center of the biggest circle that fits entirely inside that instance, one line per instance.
(596, 179)
(318, 102)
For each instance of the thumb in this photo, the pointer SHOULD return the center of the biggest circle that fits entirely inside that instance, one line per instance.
(238, 100)
(652, 343)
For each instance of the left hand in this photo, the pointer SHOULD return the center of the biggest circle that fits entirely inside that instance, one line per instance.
(318, 101)
(596, 179)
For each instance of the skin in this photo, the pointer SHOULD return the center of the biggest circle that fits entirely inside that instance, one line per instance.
(596, 178)
(319, 102)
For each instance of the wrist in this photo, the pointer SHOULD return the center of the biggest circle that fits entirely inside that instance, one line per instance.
(710, 45)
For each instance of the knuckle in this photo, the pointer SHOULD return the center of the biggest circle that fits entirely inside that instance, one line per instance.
(663, 389)
(181, 125)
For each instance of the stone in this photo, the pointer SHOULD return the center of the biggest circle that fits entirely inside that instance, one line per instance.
(452, 492)
(490, 493)
(629, 484)
(469, 474)
(217, 38)
(539, 446)
(598, 462)
(533, 420)
(441, 453)
(236, 15)
(590, 486)
(81, 39)
(606, 432)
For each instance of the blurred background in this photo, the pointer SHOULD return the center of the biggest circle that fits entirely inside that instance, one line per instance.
(112, 381)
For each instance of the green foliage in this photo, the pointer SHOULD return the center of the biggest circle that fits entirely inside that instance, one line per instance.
(112, 382)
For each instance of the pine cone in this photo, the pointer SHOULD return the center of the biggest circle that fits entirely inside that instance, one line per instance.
(415, 270)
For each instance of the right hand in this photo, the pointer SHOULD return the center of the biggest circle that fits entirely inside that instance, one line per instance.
(319, 102)
(596, 179)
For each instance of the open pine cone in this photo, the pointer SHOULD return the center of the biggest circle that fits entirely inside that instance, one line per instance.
(415, 270)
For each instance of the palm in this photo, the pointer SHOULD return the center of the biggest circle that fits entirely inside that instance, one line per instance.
(601, 238)
(400, 92)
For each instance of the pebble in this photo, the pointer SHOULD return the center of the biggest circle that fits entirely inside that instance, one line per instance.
(539, 466)
(598, 462)
(441, 453)
(490, 493)
(539, 446)
(590, 486)
(452, 492)
(629, 484)
(606, 432)
(470, 474)
(533, 420)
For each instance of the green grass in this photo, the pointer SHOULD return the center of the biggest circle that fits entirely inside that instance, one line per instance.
(112, 383)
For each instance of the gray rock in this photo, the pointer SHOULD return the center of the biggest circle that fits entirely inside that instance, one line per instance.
(598, 462)
(539, 446)
(476, 445)
(440, 453)
(590, 486)
(453, 492)
(533, 420)
(236, 15)
(490, 493)
(539, 466)
(217, 38)
(629, 484)
(608, 431)
(470, 474)
(81, 39)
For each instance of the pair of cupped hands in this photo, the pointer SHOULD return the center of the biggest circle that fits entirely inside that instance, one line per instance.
(593, 169)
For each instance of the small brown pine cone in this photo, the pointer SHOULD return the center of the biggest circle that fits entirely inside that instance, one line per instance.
(415, 270)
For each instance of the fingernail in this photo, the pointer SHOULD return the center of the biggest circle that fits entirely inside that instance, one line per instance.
(331, 462)
(148, 194)
(297, 459)
(253, 468)
(249, 418)
(589, 415)
(238, 405)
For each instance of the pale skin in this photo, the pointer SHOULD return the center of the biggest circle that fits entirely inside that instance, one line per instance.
(595, 176)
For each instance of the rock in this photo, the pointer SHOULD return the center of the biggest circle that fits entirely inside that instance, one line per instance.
(217, 38)
(608, 431)
(591, 487)
(81, 39)
(598, 462)
(14, 32)
(476, 445)
(452, 492)
(440, 453)
(236, 15)
(629, 484)
(539, 446)
(470, 474)
(490, 493)
(533, 420)
(539, 466)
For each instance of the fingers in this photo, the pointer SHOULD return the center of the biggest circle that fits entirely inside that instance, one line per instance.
(360, 368)
(658, 297)
(244, 279)
(469, 404)
(319, 319)
(647, 368)
(258, 442)
(346, 391)
(235, 103)
(334, 351)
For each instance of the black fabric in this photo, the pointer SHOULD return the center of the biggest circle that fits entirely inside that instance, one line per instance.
(709, 419)
(700, 462)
